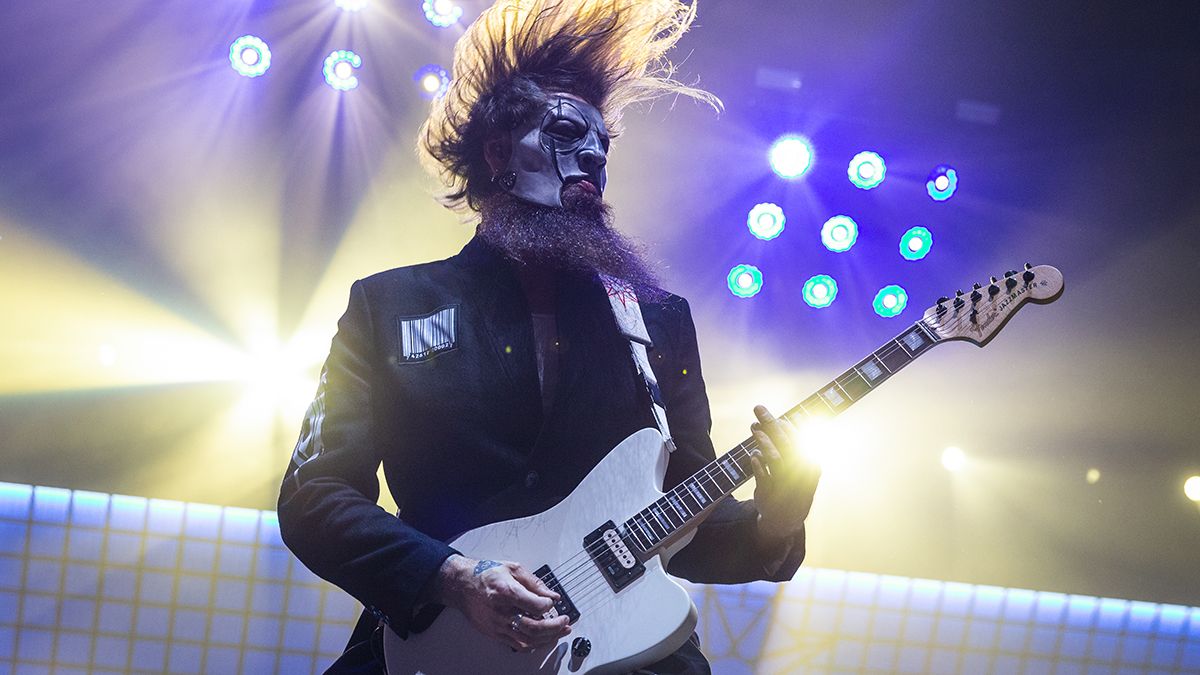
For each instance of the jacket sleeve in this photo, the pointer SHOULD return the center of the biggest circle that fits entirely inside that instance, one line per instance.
(731, 527)
(328, 513)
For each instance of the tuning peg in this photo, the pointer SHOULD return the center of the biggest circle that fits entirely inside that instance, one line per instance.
(993, 288)
(1009, 273)
(942, 299)
(1028, 266)
(1009, 282)
(974, 316)
(958, 301)
(975, 294)
(1027, 277)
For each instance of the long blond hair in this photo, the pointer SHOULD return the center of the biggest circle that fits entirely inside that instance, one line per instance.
(611, 53)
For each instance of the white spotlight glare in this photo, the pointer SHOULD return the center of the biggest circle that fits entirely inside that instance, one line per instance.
(350, 5)
(791, 156)
(1191, 488)
(954, 459)
(442, 13)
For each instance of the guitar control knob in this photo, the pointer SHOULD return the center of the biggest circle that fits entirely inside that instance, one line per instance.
(581, 647)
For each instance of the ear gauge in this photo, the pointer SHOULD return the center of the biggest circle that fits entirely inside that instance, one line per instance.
(505, 179)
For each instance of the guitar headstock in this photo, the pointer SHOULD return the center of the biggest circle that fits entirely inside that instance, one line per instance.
(978, 315)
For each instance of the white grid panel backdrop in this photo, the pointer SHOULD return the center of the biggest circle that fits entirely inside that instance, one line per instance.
(96, 583)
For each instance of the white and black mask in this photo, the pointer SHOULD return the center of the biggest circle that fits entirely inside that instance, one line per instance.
(561, 143)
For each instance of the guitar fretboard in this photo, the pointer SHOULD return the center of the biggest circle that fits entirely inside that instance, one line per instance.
(682, 507)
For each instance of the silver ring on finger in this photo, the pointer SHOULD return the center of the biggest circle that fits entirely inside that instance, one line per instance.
(516, 622)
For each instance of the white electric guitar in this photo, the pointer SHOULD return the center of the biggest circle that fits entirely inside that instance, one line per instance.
(605, 546)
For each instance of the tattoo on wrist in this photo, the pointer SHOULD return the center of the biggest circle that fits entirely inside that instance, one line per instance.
(485, 565)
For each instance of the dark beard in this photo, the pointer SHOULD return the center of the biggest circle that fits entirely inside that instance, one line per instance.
(578, 238)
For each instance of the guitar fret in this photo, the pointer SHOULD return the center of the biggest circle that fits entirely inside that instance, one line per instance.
(854, 384)
(679, 506)
(895, 359)
(928, 333)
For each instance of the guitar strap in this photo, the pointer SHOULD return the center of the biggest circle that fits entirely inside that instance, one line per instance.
(628, 313)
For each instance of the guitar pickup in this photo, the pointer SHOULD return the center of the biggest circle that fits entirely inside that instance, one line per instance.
(564, 606)
(613, 555)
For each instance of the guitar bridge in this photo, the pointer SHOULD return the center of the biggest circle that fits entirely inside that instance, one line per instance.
(613, 555)
(564, 606)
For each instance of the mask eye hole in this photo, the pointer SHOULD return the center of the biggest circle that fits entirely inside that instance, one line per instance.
(564, 130)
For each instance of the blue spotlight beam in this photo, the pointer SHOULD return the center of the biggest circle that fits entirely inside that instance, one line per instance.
(766, 221)
(791, 156)
(890, 301)
(745, 281)
(820, 291)
(916, 243)
(942, 183)
(866, 170)
(339, 69)
(839, 233)
(250, 56)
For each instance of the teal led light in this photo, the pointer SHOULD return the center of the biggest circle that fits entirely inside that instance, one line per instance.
(942, 183)
(249, 56)
(839, 233)
(820, 290)
(890, 301)
(745, 281)
(442, 13)
(915, 243)
(791, 156)
(339, 69)
(866, 170)
(766, 221)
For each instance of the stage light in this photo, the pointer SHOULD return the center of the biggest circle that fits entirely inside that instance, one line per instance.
(839, 233)
(433, 80)
(745, 281)
(954, 459)
(791, 156)
(249, 56)
(350, 5)
(820, 291)
(866, 170)
(442, 13)
(942, 183)
(1093, 476)
(1191, 488)
(916, 243)
(339, 69)
(890, 301)
(766, 221)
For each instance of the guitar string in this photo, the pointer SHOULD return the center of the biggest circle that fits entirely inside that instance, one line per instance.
(599, 583)
(679, 492)
(572, 574)
(638, 531)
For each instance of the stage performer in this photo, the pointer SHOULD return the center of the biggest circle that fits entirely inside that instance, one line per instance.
(490, 383)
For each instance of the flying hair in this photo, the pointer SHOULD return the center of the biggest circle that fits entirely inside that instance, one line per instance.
(611, 53)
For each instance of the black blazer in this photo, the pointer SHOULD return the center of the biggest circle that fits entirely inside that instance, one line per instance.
(460, 429)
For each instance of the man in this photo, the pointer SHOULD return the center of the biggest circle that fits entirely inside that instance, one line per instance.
(489, 384)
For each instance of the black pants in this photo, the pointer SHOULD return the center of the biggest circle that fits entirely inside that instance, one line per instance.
(364, 655)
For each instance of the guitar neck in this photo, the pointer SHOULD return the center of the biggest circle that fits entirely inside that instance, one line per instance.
(685, 506)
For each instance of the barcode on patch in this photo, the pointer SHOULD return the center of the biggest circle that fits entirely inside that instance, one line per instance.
(427, 336)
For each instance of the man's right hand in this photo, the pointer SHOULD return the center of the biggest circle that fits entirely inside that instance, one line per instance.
(502, 600)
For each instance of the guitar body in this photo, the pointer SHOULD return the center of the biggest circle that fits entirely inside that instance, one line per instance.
(643, 623)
